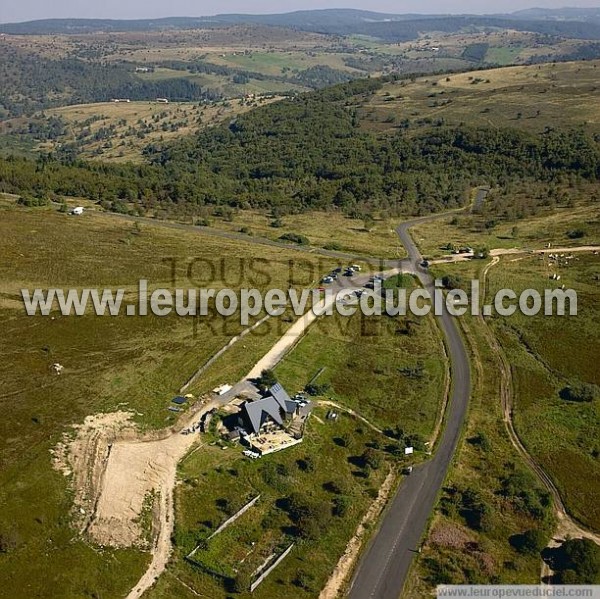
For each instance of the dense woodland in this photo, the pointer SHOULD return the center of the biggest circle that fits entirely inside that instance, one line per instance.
(311, 152)
(30, 83)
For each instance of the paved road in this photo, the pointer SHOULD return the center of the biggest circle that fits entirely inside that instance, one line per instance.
(383, 569)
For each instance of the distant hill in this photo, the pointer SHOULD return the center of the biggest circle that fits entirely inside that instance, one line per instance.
(569, 23)
(559, 14)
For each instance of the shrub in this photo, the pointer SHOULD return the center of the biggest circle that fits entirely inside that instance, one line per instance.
(306, 464)
(32, 202)
(295, 238)
(372, 459)
(576, 561)
(579, 392)
(266, 380)
(313, 389)
(482, 441)
(451, 281)
(305, 580)
(341, 505)
(475, 510)
(333, 246)
(531, 542)
(311, 518)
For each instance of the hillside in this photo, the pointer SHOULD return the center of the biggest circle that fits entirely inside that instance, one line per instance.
(576, 23)
(393, 144)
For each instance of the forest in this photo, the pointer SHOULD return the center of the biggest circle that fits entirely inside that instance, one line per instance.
(310, 152)
(31, 83)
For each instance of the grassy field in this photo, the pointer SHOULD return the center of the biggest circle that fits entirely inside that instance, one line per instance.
(527, 97)
(217, 482)
(279, 63)
(330, 230)
(360, 362)
(458, 548)
(547, 355)
(547, 224)
(503, 55)
(111, 131)
(138, 364)
(110, 363)
(462, 549)
(366, 362)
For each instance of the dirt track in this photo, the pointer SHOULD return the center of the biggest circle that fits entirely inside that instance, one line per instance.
(505, 252)
(567, 527)
(116, 470)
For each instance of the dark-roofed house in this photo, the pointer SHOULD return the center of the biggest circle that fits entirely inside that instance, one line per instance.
(283, 399)
(275, 409)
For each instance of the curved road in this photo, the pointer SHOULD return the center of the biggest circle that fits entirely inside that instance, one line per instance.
(382, 571)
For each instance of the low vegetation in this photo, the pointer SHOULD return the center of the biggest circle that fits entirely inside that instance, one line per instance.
(312, 495)
(110, 363)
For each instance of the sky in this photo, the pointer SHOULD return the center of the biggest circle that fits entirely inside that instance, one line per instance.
(25, 10)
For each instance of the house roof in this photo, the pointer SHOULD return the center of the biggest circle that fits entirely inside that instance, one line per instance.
(278, 392)
(275, 406)
(282, 398)
(259, 411)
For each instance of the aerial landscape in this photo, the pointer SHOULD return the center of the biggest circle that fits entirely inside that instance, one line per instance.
(298, 301)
